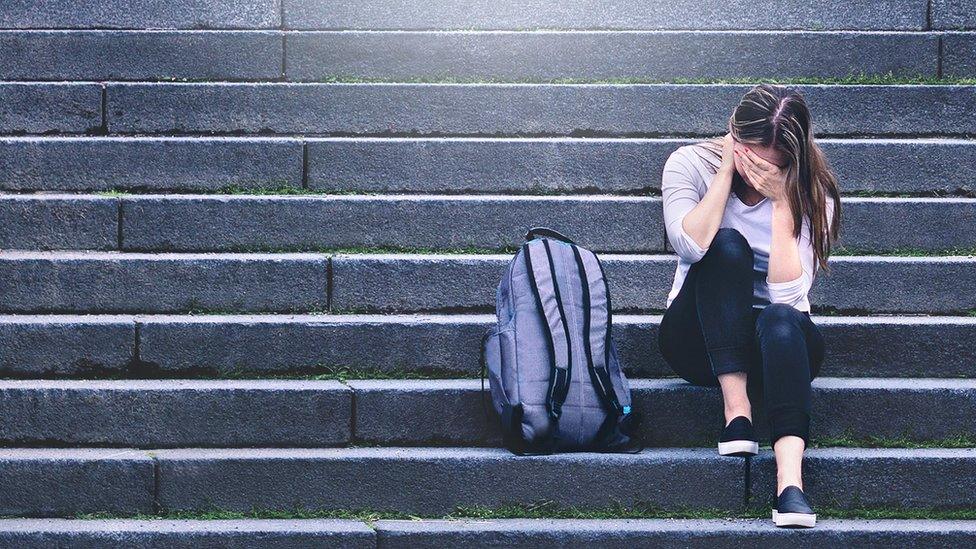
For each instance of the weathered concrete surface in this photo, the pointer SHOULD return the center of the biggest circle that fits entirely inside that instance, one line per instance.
(179, 413)
(149, 14)
(675, 412)
(69, 346)
(596, 14)
(107, 282)
(521, 109)
(55, 482)
(667, 533)
(414, 282)
(234, 223)
(188, 534)
(495, 165)
(185, 534)
(157, 164)
(603, 223)
(870, 478)
(448, 345)
(953, 14)
(45, 108)
(604, 55)
(959, 53)
(276, 344)
(435, 481)
(140, 55)
(58, 222)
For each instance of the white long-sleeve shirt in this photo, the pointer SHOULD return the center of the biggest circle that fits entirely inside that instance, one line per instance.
(685, 180)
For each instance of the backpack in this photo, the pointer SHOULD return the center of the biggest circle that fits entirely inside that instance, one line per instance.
(555, 377)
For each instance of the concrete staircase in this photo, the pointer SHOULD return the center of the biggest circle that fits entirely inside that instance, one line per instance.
(222, 221)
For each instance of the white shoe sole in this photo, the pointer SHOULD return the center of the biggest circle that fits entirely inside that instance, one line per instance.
(738, 448)
(802, 520)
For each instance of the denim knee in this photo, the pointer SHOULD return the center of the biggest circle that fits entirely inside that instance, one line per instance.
(779, 322)
(729, 250)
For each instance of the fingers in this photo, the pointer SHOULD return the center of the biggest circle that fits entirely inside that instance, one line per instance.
(758, 162)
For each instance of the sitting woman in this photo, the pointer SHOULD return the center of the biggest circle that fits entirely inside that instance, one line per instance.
(752, 216)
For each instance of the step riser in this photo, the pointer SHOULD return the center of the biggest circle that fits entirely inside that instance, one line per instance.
(156, 55)
(186, 223)
(434, 165)
(418, 109)
(186, 14)
(316, 56)
(437, 481)
(680, 14)
(650, 55)
(66, 483)
(252, 284)
(364, 284)
(935, 478)
(302, 282)
(192, 480)
(160, 414)
(666, 533)
(177, 414)
(89, 223)
(50, 108)
(181, 346)
(675, 413)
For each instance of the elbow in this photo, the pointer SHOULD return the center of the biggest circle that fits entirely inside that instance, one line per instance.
(792, 292)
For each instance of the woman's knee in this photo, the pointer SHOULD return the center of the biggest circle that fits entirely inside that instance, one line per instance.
(729, 249)
(779, 322)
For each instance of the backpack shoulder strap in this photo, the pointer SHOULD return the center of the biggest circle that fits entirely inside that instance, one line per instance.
(597, 323)
(542, 276)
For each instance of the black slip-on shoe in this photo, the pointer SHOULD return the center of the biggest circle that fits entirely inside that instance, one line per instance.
(793, 510)
(738, 439)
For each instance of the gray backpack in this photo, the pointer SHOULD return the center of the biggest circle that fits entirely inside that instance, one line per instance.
(556, 381)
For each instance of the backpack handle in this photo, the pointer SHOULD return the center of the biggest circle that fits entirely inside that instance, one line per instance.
(546, 231)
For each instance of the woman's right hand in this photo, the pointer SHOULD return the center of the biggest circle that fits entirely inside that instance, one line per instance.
(728, 157)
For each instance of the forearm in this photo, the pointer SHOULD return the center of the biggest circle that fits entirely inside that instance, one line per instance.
(703, 221)
(784, 253)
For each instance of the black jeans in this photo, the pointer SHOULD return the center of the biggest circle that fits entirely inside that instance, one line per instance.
(711, 329)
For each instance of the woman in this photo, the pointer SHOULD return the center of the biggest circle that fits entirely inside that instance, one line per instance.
(752, 216)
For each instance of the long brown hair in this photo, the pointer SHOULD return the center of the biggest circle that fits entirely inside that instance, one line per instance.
(777, 116)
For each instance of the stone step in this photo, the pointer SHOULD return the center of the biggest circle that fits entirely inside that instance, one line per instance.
(607, 55)
(603, 223)
(113, 282)
(415, 412)
(48, 482)
(175, 413)
(588, 110)
(670, 533)
(179, 534)
(492, 55)
(469, 532)
(445, 345)
(435, 481)
(435, 165)
(50, 108)
(295, 413)
(412, 282)
(633, 14)
(150, 55)
(55, 282)
(149, 14)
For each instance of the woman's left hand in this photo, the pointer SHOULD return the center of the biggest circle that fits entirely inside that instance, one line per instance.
(767, 178)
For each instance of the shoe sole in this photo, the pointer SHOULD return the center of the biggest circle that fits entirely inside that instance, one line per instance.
(742, 448)
(796, 520)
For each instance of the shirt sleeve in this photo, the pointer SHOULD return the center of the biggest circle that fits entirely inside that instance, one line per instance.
(680, 195)
(794, 292)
